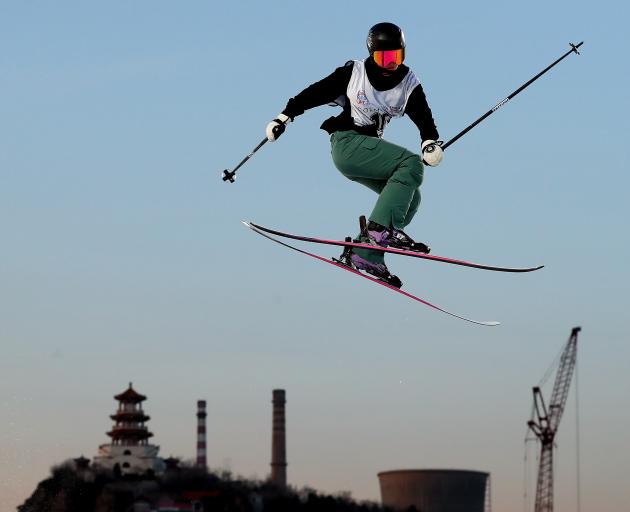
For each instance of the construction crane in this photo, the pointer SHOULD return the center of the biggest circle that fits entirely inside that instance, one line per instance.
(545, 421)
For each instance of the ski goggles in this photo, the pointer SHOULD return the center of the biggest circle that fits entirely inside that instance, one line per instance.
(385, 58)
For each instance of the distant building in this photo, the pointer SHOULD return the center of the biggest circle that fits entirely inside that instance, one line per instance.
(130, 452)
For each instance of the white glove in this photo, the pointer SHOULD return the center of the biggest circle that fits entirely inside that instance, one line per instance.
(276, 127)
(432, 153)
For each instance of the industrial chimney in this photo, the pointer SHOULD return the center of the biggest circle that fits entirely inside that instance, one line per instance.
(278, 441)
(201, 434)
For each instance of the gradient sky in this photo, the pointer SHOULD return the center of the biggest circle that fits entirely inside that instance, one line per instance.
(123, 257)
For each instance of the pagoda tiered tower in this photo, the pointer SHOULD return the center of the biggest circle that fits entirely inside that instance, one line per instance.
(130, 451)
(129, 429)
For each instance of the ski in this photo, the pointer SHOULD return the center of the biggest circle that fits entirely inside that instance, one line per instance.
(402, 252)
(262, 232)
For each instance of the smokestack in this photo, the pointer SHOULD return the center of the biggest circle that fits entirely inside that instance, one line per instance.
(201, 434)
(278, 441)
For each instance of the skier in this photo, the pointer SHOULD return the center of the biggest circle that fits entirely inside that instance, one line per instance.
(371, 92)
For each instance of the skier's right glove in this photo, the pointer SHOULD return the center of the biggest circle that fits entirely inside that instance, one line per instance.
(432, 153)
(276, 127)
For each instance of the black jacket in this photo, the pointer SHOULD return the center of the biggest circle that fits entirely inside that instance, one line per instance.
(335, 85)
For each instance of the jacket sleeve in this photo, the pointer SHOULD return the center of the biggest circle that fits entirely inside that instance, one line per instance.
(325, 91)
(419, 112)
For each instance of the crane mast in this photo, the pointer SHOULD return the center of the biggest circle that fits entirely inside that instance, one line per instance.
(546, 420)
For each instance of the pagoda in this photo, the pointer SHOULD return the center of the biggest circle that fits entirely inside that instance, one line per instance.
(129, 429)
(129, 451)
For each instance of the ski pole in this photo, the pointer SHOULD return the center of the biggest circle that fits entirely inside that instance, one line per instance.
(574, 49)
(229, 175)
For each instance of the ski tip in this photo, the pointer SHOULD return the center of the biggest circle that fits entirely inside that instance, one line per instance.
(491, 324)
(247, 223)
(530, 269)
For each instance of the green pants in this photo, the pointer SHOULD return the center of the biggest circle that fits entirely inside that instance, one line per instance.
(393, 172)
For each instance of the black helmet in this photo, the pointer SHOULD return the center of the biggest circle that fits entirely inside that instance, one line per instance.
(385, 36)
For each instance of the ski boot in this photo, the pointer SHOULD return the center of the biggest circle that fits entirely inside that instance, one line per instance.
(391, 237)
(378, 270)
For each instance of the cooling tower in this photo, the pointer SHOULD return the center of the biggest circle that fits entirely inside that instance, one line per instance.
(434, 490)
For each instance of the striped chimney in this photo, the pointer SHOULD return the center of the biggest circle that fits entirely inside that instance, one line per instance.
(278, 440)
(201, 434)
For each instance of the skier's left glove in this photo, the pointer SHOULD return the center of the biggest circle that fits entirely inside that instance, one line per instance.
(276, 127)
(432, 153)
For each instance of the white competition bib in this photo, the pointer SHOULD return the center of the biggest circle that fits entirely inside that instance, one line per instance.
(371, 107)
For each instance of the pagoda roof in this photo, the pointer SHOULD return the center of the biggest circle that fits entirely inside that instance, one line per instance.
(130, 395)
(172, 463)
(82, 462)
(130, 416)
(129, 433)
